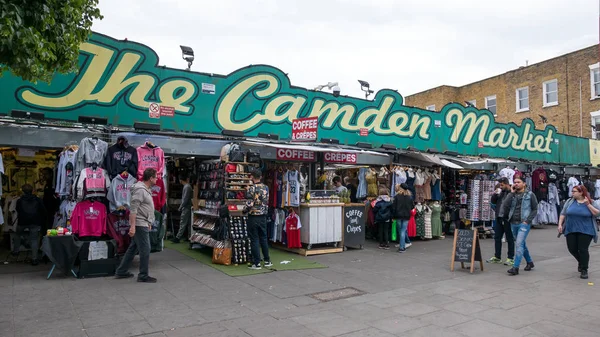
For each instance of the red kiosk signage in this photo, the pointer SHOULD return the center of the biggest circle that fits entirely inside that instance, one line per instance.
(305, 129)
(295, 155)
(340, 157)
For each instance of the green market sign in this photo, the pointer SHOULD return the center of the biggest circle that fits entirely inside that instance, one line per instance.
(121, 81)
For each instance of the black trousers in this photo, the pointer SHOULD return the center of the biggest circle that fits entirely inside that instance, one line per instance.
(257, 231)
(502, 228)
(578, 245)
(384, 232)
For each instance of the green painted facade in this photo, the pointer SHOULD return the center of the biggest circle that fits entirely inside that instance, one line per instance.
(119, 80)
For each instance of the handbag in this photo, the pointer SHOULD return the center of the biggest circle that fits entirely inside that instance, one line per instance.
(222, 256)
(236, 156)
(252, 157)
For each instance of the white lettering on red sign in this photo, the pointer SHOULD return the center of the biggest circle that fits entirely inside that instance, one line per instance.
(295, 155)
(340, 157)
(305, 129)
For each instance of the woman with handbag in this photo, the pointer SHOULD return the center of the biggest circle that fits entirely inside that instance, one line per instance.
(578, 223)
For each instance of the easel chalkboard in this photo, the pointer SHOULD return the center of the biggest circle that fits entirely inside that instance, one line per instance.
(464, 250)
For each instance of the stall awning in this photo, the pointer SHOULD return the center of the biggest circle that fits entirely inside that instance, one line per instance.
(431, 159)
(314, 148)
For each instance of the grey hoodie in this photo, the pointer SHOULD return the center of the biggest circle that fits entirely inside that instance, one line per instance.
(90, 151)
(119, 193)
(142, 204)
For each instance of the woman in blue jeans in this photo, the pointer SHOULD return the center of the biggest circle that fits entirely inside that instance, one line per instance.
(402, 205)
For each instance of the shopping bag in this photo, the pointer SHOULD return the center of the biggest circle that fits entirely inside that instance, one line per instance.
(394, 232)
(222, 256)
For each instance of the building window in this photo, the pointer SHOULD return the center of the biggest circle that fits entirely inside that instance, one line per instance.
(473, 102)
(595, 124)
(550, 93)
(431, 107)
(595, 80)
(523, 99)
(490, 104)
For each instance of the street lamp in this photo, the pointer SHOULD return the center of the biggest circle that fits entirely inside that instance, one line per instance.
(333, 86)
(364, 86)
(187, 53)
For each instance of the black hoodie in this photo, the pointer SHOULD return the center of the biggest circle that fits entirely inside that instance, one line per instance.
(403, 204)
(30, 211)
(121, 157)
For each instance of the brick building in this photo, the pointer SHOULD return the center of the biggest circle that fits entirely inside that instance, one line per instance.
(565, 90)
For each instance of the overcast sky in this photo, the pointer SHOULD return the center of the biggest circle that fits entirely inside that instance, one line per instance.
(406, 45)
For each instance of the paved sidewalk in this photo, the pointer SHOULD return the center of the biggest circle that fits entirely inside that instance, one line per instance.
(411, 294)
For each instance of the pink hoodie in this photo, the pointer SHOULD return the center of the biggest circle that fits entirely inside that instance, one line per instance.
(150, 158)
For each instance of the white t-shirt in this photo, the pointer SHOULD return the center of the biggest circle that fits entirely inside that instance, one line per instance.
(597, 194)
(340, 189)
(508, 173)
(572, 183)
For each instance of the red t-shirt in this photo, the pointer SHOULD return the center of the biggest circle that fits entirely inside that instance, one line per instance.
(159, 194)
(292, 231)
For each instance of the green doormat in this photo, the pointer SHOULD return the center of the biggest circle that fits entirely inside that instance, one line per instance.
(281, 260)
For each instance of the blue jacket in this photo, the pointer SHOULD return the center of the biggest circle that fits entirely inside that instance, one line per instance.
(529, 207)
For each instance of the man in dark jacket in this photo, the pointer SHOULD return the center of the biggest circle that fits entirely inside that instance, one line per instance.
(31, 216)
(402, 207)
(502, 226)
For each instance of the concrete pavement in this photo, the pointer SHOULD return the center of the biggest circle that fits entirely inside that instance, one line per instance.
(411, 294)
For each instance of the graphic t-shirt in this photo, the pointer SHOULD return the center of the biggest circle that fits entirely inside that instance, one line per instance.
(89, 219)
(292, 230)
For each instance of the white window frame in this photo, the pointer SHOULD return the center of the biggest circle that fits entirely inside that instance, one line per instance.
(546, 103)
(593, 68)
(430, 107)
(487, 106)
(474, 102)
(593, 116)
(517, 99)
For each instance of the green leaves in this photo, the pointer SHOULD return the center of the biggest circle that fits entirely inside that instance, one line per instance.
(41, 37)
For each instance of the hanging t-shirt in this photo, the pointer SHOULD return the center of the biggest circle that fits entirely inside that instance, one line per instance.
(65, 173)
(159, 194)
(463, 198)
(65, 212)
(552, 175)
(572, 183)
(150, 157)
(509, 173)
(293, 188)
(292, 230)
(89, 219)
(597, 194)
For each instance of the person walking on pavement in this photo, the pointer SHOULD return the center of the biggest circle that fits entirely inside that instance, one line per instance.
(502, 227)
(520, 208)
(578, 223)
(31, 215)
(141, 217)
(185, 208)
(402, 206)
(257, 207)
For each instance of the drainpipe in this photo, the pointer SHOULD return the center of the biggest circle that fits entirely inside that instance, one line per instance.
(567, 90)
(580, 112)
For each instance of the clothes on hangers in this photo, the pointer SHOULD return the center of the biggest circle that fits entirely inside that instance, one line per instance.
(89, 219)
(292, 230)
(121, 157)
(65, 173)
(572, 183)
(508, 173)
(539, 183)
(91, 150)
(291, 185)
(150, 157)
(361, 191)
(159, 194)
(119, 194)
(92, 184)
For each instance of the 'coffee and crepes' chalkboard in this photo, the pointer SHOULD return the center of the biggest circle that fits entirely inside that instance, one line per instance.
(354, 225)
(466, 248)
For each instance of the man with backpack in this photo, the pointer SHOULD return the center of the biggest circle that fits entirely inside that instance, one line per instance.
(383, 216)
(31, 216)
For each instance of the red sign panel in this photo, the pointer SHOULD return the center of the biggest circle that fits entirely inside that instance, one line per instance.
(480, 145)
(305, 129)
(364, 132)
(295, 155)
(167, 111)
(340, 157)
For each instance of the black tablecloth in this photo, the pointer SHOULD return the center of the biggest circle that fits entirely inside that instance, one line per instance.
(62, 251)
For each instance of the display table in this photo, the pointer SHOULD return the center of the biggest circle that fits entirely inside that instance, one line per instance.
(62, 251)
(355, 218)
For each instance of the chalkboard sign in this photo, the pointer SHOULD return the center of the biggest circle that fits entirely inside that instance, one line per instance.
(466, 248)
(354, 225)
